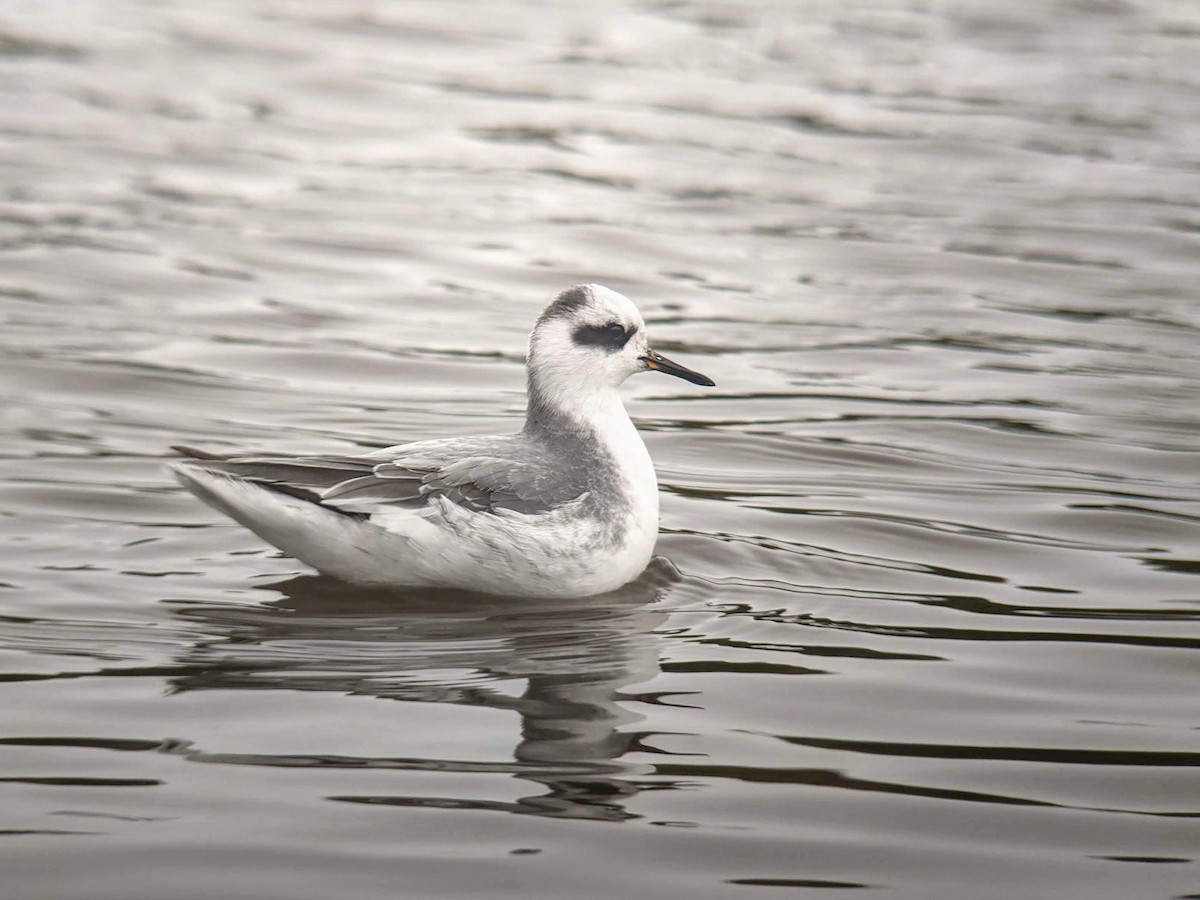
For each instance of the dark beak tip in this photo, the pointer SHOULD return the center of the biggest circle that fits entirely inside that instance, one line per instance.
(659, 363)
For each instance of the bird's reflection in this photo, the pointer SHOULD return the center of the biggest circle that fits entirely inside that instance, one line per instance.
(574, 657)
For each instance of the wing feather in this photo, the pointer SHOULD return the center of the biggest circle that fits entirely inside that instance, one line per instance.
(503, 474)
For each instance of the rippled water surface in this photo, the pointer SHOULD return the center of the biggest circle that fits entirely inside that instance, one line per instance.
(925, 624)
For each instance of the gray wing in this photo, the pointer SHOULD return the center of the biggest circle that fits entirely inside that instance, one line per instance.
(482, 476)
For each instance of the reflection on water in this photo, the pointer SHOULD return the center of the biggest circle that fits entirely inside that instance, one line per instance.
(574, 656)
(936, 625)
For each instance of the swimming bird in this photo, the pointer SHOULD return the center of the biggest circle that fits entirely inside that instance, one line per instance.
(568, 506)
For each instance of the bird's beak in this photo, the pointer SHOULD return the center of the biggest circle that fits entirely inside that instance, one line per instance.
(656, 362)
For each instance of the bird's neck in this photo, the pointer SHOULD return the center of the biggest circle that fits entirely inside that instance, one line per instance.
(575, 412)
(591, 415)
(597, 417)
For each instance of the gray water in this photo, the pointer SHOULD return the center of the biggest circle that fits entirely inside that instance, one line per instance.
(925, 626)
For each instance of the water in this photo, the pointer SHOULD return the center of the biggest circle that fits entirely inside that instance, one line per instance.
(928, 628)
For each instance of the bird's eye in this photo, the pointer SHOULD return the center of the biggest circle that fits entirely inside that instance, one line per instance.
(611, 337)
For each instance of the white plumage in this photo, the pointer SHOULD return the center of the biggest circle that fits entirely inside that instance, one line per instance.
(568, 506)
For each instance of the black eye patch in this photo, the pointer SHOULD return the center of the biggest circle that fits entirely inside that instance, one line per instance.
(612, 336)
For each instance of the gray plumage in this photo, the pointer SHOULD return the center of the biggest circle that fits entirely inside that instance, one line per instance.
(516, 473)
(567, 506)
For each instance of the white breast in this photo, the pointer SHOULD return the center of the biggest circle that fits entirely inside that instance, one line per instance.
(636, 471)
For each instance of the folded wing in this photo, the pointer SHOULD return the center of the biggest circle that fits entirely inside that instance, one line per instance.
(484, 479)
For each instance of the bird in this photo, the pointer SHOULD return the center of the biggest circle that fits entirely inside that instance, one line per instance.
(566, 507)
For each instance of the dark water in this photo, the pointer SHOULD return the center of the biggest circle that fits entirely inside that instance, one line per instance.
(937, 532)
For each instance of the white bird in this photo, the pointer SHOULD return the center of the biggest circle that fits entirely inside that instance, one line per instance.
(568, 506)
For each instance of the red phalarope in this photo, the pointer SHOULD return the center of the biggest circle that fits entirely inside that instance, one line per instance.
(568, 506)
